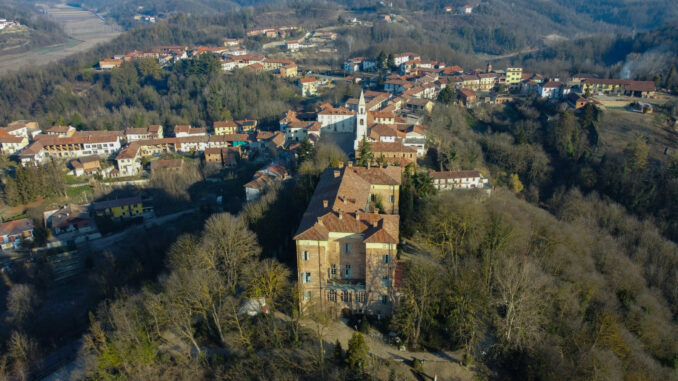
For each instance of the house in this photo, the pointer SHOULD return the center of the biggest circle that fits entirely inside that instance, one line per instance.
(225, 127)
(109, 63)
(346, 250)
(292, 46)
(300, 130)
(465, 10)
(576, 101)
(70, 147)
(458, 180)
(23, 128)
(14, 233)
(553, 90)
(222, 157)
(86, 165)
(247, 125)
(643, 89)
(401, 58)
(467, 97)
(69, 218)
(385, 17)
(164, 166)
(448, 9)
(289, 71)
(127, 160)
(121, 208)
(10, 144)
(270, 175)
(182, 131)
(415, 137)
(419, 105)
(514, 76)
(384, 133)
(64, 131)
(395, 153)
(136, 134)
(257, 186)
(308, 86)
(336, 119)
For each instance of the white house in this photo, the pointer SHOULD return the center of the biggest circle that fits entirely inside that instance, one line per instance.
(339, 119)
(553, 90)
(458, 180)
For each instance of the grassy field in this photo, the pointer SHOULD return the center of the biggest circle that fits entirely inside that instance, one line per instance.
(85, 29)
(618, 127)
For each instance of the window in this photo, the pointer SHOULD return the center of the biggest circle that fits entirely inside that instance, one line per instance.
(386, 259)
(333, 271)
(305, 277)
(391, 199)
(347, 248)
(308, 295)
(360, 297)
(347, 272)
(384, 299)
(385, 282)
(304, 256)
(346, 297)
(332, 295)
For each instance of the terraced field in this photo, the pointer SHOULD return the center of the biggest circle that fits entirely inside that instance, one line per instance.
(86, 30)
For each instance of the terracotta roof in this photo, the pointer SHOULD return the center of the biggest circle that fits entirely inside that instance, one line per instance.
(60, 129)
(454, 174)
(136, 131)
(16, 227)
(116, 133)
(379, 130)
(329, 110)
(307, 80)
(229, 138)
(346, 194)
(118, 202)
(390, 147)
(467, 93)
(226, 123)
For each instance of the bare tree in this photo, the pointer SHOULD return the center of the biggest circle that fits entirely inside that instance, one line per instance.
(228, 244)
(21, 303)
(519, 286)
(421, 286)
(23, 351)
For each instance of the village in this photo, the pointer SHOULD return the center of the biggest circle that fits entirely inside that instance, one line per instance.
(358, 204)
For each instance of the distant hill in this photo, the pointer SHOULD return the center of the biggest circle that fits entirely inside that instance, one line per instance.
(35, 30)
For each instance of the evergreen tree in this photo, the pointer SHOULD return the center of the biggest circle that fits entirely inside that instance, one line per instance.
(365, 154)
(357, 353)
(446, 96)
(391, 62)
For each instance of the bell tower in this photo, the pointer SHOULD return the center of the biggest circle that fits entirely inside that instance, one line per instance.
(360, 121)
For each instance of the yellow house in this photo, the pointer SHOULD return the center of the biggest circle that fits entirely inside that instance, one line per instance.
(225, 128)
(514, 75)
(121, 208)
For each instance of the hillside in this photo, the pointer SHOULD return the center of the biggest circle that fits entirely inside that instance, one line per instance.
(35, 30)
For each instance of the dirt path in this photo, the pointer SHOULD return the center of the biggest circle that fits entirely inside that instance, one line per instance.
(445, 365)
(85, 28)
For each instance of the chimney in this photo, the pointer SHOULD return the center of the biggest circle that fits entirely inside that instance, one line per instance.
(357, 216)
(350, 164)
(341, 215)
(320, 221)
(325, 203)
(337, 173)
(375, 223)
(368, 165)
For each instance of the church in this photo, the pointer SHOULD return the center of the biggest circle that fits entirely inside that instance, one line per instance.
(372, 117)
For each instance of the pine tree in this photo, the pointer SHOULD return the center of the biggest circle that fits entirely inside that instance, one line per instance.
(356, 355)
(365, 154)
